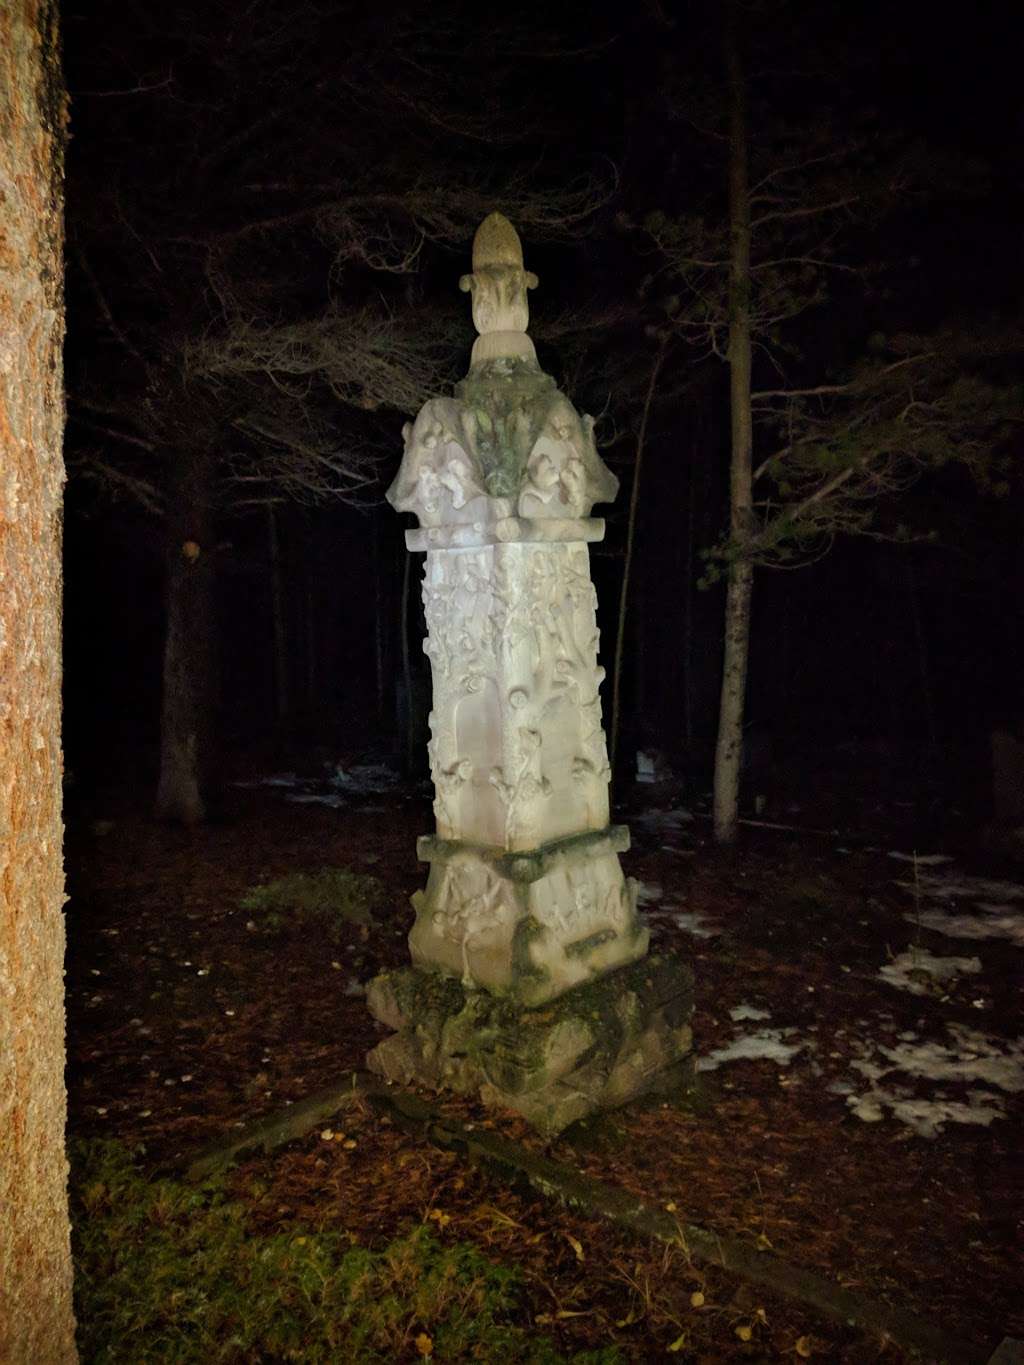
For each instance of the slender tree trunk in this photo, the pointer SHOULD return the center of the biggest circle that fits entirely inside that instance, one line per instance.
(36, 1322)
(627, 562)
(186, 721)
(282, 689)
(729, 749)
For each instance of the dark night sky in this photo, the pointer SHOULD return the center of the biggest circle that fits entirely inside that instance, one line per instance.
(845, 648)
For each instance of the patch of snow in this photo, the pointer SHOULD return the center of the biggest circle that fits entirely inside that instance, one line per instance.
(767, 1043)
(922, 859)
(925, 1117)
(690, 921)
(662, 821)
(361, 779)
(969, 1056)
(316, 799)
(997, 921)
(275, 780)
(905, 972)
(365, 777)
(647, 893)
(740, 1012)
(840, 1087)
(956, 886)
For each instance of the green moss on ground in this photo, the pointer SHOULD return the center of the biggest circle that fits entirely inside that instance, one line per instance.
(327, 901)
(169, 1272)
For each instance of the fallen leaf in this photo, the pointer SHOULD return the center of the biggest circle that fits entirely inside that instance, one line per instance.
(439, 1217)
(679, 1343)
(744, 1332)
(424, 1344)
(576, 1246)
(696, 1299)
(763, 1243)
(803, 1347)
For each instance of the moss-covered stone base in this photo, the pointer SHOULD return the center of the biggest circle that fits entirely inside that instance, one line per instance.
(595, 1047)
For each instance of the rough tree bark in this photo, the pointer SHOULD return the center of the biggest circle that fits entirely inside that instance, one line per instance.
(186, 741)
(36, 1322)
(729, 749)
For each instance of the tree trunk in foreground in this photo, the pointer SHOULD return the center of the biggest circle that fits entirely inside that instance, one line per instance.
(729, 749)
(36, 1322)
(186, 721)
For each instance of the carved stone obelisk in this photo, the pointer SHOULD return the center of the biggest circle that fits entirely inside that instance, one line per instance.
(526, 903)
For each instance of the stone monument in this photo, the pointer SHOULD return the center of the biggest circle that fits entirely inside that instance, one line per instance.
(530, 982)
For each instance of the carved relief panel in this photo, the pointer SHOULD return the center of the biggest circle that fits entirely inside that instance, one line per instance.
(517, 750)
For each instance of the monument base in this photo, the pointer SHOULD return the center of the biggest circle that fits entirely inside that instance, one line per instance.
(596, 1047)
(527, 925)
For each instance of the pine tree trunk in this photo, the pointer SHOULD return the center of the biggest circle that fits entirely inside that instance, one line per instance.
(729, 749)
(36, 1322)
(186, 721)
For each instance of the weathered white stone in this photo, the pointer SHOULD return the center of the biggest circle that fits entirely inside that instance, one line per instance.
(527, 927)
(527, 984)
(502, 478)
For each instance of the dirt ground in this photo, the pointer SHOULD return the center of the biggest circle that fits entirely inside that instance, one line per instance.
(184, 1024)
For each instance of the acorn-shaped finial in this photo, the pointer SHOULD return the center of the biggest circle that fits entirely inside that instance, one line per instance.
(496, 243)
(499, 282)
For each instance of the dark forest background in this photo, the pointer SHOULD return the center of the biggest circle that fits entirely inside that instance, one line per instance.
(269, 207)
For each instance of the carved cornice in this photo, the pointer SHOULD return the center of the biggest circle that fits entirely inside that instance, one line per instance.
(509, 450)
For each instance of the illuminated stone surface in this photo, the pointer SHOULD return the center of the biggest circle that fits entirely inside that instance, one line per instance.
(526, 899)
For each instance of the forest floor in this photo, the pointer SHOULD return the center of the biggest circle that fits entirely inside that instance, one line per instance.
(861, 1073)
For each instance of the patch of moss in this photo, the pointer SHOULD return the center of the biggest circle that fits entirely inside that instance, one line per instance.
(326, 900)
(169, 1272)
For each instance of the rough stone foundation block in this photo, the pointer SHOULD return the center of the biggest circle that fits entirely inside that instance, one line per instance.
(595, 1047)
